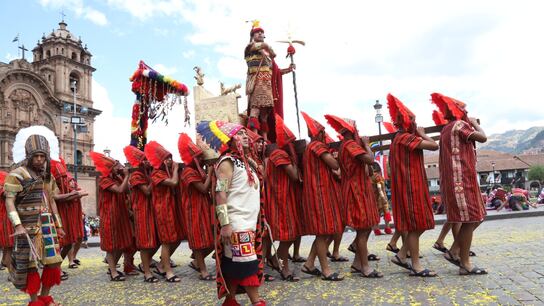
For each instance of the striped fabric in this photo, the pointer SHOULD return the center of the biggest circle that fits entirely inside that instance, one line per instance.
(29, 203)
(197, 211)
(361, 210)
(458, 184)
(321, 209)
(280, 198)
(71, 212)
(165, 208)
(145, 232)
(412, 208)
(6, 229)
(115, 229)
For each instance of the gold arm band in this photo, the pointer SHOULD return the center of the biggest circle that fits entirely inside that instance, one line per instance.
(222, 185)
(58, 221)
(222, 214)
(14, 217)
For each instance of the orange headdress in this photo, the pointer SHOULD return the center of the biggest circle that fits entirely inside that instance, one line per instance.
(341, 124)
(102, 163)
(445, 103)
(156, 154)
(284, 135)
(401, 116)
(314, 127)
(134, 155)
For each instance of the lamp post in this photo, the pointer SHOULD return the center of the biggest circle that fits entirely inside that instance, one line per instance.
(107, 152)
(494, 178)
(74, 121)
(379, 118)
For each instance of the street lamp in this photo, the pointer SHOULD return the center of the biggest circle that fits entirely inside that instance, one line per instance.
(521, 160)
(75, 121)
(107, 152)
(379, 117)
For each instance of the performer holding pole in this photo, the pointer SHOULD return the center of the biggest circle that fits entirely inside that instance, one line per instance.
(263, 84)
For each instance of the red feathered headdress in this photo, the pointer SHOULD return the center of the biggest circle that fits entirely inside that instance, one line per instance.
(445, 103)
(438, 118)
(314, 127)
(284, 135)
(58, 169)
(396, 108)
(102, 163)
(253, 137)
(156, 154)
(328, 138)
(134, 155)
(389, 127)
(187, 149)
(339, 124)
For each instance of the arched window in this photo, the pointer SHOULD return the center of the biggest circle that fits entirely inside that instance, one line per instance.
(74, 76)
(48, 54)
(74, 56)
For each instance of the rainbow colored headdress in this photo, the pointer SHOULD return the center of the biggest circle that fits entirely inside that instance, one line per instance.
(396, 107)
(217, 133)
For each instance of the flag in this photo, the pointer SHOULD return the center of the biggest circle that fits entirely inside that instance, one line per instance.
(16, 38)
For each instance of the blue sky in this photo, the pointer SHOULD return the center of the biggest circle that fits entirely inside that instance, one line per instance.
(485, 53)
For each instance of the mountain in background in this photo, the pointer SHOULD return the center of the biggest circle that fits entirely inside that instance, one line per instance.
(516, 141)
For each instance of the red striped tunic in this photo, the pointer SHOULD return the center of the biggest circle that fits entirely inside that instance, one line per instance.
(361, 210)
(281, 202)
(144, 217)
(458, 178)
(412, 208)
(115, 227)
(319, 202)
(6, 229)
(197, 211)
(71, 212)
(165, 208)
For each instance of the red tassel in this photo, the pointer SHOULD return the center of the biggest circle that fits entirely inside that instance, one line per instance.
(32, 283)
(387, 217)
(230, 302)
(46, 299)
(51, 276)
(261, 302)
(36, 303)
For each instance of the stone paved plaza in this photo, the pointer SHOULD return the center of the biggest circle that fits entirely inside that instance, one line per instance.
(510, 249)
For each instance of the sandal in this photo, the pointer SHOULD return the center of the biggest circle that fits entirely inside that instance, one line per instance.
(452, 260)
(157, 271)
(423, 273)
(269, 278)
(392, 249)
(290, 278)
(339, 259)
(475, 271)
(333, 277)
(298, 259)
(314, 272)
(72, 266)
(64, 276)
(140, 268)
(440, 248)
(132, 273)
(151, 279)
(173, 279)
(471, 254)
(396, 260)
(192, 266)
(208, 277)
(373, 257)
(271, 265)
(355, 270)
(373, 274)
(119, 278)
(351, 248)
(77, 262)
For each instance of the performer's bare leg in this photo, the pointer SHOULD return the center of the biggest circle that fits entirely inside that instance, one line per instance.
(310, 261)
(146, 255)
(321, 252)
(464, 241)
(443, 233)
(395, 239)
(166, 250)
(283, 253)
(112, 259)
(296, 247)
(412, 245)
(65, 250)
(252, 294)
(76, 247)
(200, 255)
(362, 251)
(254, 115)
(337, 239)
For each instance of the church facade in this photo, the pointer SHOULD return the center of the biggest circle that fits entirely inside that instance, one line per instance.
(41, 92)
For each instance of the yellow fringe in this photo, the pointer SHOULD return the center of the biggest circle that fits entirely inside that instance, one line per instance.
(218, 133)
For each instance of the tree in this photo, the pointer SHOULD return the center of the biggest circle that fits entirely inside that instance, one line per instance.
(536, 173)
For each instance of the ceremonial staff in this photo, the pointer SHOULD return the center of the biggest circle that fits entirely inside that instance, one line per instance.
(290, 52)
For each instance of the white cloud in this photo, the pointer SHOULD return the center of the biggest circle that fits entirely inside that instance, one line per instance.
(162, 69)
(9, 57)
(79, 9)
